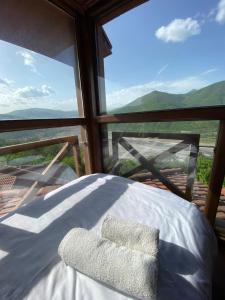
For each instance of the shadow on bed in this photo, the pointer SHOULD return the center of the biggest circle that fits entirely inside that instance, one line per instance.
(30, 254)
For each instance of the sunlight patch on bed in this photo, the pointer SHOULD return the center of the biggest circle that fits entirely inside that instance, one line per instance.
(37, 225)
(3, 254)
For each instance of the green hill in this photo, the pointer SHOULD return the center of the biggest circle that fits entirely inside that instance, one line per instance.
(153, 101)
(14, 137)
(211, 95)
(38, 113)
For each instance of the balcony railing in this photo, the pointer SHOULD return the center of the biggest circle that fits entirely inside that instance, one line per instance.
(183, 141)
(36, 176)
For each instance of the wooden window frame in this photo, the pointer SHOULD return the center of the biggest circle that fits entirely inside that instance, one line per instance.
(90, 67)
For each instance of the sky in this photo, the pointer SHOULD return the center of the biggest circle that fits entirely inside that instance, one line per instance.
(31, 80)
(173, 46)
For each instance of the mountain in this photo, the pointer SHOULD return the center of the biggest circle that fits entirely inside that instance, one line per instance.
(211, 95)
(154, 101)
(38, 113)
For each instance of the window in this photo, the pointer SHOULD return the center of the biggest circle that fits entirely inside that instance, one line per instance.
(37, 63)
(166, 55)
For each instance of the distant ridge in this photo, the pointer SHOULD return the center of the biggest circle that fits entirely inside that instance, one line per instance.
(213, 94)
(38, 113)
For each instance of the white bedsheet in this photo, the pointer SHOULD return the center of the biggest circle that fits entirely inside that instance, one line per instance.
(31, 269)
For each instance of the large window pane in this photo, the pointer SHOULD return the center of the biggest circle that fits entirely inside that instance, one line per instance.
(166, 55)
(37, 64)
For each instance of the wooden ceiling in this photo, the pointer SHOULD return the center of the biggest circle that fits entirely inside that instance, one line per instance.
(102, 10)
(85, 4)
(39, 26)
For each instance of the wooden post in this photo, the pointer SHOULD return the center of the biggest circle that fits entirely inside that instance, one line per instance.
(192, 165)
(101, 39)
(89, 95)
(217, 176)
(77, 158)
(115, 146)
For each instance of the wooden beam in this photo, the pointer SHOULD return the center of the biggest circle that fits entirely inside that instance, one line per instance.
(106, 44)
(77, 158)
(217, 176)
(102, 52)
(101, 10)
(69, 6)
(17, 125)
(39, 144)
(192, 166)
(88, 77)
(104, 11)
(185, 114)
(190, 138)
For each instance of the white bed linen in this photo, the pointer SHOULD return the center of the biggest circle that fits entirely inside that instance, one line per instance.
(30, 267)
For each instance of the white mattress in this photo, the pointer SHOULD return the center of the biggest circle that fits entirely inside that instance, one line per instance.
(31, 269)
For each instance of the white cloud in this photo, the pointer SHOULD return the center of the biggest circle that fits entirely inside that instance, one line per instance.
(28, 60)
(161, 70)
(122, 97)
(220, 15)
(33, 92)
(209, 71)
(178, 30)
(12, 98)
(4, 81)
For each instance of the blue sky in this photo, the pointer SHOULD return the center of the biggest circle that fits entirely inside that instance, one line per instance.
(32, 80)
(173, 46)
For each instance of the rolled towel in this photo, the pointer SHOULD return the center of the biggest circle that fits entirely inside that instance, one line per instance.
(132, 235)
(130, 272)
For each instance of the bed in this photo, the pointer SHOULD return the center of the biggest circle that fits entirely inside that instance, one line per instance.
(31, 269)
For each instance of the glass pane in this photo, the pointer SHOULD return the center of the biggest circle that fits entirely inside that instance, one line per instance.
(175, 156)
(37, 62)
(35, 162)
(166, 55)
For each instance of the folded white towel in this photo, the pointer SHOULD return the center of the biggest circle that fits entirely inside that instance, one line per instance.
(132, 235)
(131, 272)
